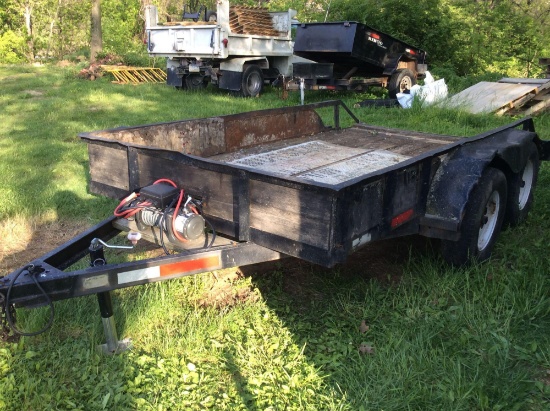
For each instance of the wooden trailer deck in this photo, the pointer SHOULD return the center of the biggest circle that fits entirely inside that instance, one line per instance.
(335, 156)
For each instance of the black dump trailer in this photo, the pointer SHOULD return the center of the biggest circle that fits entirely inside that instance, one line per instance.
(240, 189)
(351, 55)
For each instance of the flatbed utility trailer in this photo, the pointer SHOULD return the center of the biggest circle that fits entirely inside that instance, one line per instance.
(353, 56)
(276, 183)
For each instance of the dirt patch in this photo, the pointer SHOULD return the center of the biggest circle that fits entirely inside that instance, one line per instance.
(64, 63)
(33, 93)
(385, 260)
(25, 240)
(227, 290)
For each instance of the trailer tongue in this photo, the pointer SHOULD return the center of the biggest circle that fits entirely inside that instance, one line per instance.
(240, 189)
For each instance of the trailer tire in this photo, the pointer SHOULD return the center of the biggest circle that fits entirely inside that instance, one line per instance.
(252, 82)
(195, 82)
(401, 81)
(211, 16)
(520, 189)
(482, 221)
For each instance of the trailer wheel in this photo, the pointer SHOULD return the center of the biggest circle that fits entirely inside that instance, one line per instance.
(400, 81)
(252, 82)
(481, 223)
(195, 81)
(211, 16)
(520, 189)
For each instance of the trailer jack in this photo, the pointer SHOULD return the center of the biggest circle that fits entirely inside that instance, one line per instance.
(112, 344)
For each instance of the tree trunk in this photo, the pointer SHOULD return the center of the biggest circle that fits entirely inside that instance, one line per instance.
(52, 25)
(96, 44)
(28, 26)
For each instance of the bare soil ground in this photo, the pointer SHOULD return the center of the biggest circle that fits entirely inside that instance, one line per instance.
(22, 240)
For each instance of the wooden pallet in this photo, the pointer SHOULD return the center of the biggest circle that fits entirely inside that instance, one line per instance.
(511, 96)
(135, 75)
(251, 20)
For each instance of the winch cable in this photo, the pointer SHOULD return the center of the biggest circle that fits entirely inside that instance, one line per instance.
(11, 321)
(213, 234)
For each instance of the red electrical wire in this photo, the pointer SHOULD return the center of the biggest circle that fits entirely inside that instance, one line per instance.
(132, 210)
(124, 202)
(165, 180)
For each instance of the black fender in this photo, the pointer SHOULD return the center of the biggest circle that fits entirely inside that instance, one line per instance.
(460, 171)
(391, 64)
(174, 77)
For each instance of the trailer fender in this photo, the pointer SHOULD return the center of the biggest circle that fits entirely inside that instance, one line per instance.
(451, 187)
(459, 173)
(399, 62)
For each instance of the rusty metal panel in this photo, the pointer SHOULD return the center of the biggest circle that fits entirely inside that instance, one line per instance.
(263, 127)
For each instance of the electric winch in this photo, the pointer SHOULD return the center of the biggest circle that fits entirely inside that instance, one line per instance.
(165, 206)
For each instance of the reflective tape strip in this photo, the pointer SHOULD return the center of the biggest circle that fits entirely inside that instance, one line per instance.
(137, 275)
(199, 265)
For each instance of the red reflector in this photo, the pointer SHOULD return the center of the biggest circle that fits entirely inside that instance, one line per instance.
(375, 36)
(401, 218)
(410, 51)
(205, 263)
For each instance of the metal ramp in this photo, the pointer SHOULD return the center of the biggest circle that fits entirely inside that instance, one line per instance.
(135, 75)
(511, 96)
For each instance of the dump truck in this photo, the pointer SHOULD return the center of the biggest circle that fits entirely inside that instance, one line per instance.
(353, 56)
(236, 48)
(245, 188)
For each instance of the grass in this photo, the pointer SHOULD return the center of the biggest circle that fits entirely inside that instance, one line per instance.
(441, 338)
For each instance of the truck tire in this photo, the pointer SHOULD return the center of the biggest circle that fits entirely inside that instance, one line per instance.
(482, 221)
(252, 82)
(195, 82)
(400, 81)
(520, 189)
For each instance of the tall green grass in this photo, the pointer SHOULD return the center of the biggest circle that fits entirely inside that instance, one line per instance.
(441, 338)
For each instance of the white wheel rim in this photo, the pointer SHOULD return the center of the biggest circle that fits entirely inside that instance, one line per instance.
(488, 221)
(526, 184)
(254, 83)
(406, 84)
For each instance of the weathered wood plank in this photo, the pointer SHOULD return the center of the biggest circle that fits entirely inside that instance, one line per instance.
(109, 165)
(498, 97)
(290, 213)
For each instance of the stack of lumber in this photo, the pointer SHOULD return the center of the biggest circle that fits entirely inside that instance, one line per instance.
(251, 20)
